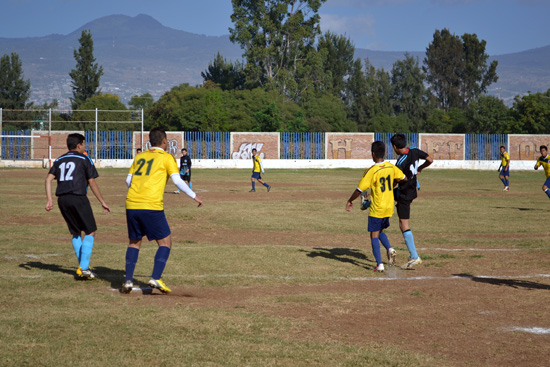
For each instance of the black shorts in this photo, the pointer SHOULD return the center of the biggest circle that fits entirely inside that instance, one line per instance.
(404, 209)
(78, 214)
(186, 177)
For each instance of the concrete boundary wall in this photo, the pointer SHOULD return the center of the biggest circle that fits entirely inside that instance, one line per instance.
(289, 164)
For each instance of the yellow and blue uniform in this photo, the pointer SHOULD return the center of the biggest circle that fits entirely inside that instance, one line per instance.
(150, 172)
(505, 158)
(545, 163)
(379, 178)
(257, 164)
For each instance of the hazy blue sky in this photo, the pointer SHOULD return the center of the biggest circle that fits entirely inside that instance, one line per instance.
(386, 25)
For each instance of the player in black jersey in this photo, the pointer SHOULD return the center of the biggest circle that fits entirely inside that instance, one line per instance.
(185, 169)
(408, 162)
(74, 171)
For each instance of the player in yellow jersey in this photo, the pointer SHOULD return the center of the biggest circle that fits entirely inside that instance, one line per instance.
(504, 168)
(381, 179)
(544, 161)
(257, 168)
(145, 208)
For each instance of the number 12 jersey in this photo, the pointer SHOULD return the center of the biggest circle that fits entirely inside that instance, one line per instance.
(72, 171)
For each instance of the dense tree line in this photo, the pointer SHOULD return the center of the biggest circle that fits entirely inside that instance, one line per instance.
(294, 78)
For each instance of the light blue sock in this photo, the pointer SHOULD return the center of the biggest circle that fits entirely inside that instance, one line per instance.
(376, 250)
(191, 185)
(86, 251)
(409, 241)
(385, 241)
(77, 245)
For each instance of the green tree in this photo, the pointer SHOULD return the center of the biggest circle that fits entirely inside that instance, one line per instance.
(269, 119)
(226, 74)
(488, 115)
(14, 90)
(277, 37)
(86, 75)
(85, 116)
(531, 114)
(144, 101)
(327, 113)
(408, 91)
(338, 63)
(456, 69)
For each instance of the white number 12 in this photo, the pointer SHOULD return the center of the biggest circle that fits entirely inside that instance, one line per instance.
(66, 171)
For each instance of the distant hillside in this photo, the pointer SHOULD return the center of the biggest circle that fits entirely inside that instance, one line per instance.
(140, 55)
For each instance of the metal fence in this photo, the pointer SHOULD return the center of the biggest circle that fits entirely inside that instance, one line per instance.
(110, 144)
(484, 147)
(412, 141)
(16, 145)
(207, 145)
(302, 145)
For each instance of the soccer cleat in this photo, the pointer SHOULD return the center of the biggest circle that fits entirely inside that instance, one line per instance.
(392, 254)
(268, 188)
(86, 274)
(379, 268)
(412, 263)
(127, 287)
(159, 284)
(506, 189)
(252, 190)
(177, 192)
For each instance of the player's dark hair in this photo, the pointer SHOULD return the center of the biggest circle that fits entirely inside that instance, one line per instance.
(74, 139)
(254, 150)
(379, 149)
(502, 146)
(156, 135)
(543, 147)
(184, 149)
(399, 140)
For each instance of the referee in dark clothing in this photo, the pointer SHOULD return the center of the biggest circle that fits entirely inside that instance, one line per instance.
(74, 171)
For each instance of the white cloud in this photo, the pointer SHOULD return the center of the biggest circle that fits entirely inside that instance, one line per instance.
(357, 27)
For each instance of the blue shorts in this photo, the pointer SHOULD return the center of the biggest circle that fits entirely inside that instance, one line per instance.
(378, 224)
(256, 175)
(547, 182)
(505, 171)
(150, 223)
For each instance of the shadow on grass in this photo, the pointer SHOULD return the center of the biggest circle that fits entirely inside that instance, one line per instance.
(510, 207)
(114, 276)
(345, 255)
(514, 283)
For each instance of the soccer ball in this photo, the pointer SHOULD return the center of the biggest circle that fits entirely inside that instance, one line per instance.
(365, 204)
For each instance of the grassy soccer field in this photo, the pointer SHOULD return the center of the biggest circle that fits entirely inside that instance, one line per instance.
(283, 278)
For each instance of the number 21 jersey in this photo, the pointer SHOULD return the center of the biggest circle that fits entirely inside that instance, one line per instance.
(72, 171)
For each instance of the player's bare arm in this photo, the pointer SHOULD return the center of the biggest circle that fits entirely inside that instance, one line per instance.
(97, 193)
(353, 196)
(49, 203)
(429, 160)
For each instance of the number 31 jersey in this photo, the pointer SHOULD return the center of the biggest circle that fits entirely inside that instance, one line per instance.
(72, 171)
(379, 178)
(150, 172)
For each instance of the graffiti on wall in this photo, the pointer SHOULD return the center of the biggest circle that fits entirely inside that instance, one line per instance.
(341, 144)
(172, 146)
(444, 147)
(245, 151)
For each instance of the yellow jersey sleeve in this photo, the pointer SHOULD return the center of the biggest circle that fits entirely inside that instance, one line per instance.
(150, 172)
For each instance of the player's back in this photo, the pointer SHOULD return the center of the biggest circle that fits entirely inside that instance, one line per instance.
(72, 171)
(379, 178)
(150, 172)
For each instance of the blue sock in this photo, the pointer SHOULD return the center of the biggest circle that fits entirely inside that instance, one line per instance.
(253, 185)
(409, 241)
(507, 183)
(503, 181)
(77, 245)
(385, 241)
(132, 254)
(191, 185)
(547, 192)
(86, 251)
(265, 184)
(161, 258)
(376, 250)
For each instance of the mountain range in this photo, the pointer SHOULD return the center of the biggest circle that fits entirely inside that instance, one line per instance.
(140, 55)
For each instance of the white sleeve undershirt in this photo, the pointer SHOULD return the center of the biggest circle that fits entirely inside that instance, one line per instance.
(182, 185)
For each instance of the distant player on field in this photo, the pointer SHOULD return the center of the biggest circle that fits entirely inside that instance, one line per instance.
(380, 178)
(544, 161)
(409, 162)
(145, 208)
(185, 169)
(74, 171)
(257, 168)
(504, 168)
